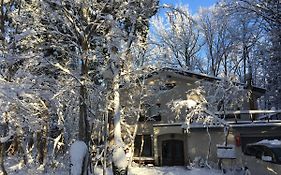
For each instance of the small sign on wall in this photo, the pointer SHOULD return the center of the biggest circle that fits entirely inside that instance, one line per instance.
(226, 152)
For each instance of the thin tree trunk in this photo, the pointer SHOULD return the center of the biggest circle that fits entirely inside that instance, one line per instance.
(4, 131)
(136, 126)
(42, 137)
(141, 148)
(22, 149)
(117, 117)
(209, 147)
(2, 22)
(251, 96)
(41, 146)
(83, 117)
(2, 152)
(16, 31)
(225, 66)
(105, 139)
(244, 56)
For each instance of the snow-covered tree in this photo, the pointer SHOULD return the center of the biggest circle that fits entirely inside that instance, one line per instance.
(270, 14)
(203, 104)
(27, 97)
(63, 55)
(214, 26)
(175, 39)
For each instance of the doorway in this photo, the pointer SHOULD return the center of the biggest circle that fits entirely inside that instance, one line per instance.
(172, 153)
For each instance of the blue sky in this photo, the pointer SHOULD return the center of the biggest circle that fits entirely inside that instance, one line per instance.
(193, 4)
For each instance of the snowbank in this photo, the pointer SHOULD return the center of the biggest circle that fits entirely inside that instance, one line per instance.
(119, 158)
(78, 156)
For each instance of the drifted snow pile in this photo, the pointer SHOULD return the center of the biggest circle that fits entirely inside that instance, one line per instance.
(79, 158)
(119, 159)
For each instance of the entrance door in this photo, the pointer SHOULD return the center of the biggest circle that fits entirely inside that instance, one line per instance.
(172, 153)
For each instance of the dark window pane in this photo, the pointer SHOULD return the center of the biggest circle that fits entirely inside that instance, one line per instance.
(167, 86)
(142, 118)
(147, 146)
(156, 118)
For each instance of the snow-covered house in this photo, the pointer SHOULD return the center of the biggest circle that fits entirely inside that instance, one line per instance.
(161, 138)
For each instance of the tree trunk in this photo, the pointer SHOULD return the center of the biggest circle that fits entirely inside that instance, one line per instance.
(244, 57)
(120, 163)
(41, 146)
(105, 138)
(3, 133)
(23, 151)
(105, 143)
(2, 152)
(141, 148)
(42, 137)
(133, 140)
(225, 66)
(83, 117)
(117, 117)
(2, 22)
(209, 146)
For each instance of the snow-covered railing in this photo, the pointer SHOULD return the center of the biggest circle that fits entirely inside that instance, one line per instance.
(249, 112)
(267, 113)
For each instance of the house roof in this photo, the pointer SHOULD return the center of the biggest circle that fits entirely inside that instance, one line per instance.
(198, 76)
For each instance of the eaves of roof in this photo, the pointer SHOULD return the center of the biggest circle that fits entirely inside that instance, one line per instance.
(199, 76)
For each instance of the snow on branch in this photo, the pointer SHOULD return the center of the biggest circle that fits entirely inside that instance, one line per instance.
(203, 104)
(65, 70)
(8, 137)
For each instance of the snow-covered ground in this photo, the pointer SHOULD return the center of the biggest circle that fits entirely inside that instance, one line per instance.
(172, 171)
(17, 169)
(15, 166)
(176, 170)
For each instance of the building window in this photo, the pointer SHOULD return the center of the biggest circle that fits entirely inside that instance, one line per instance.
(143, 142)
(167, 86)
(150, 113)
(154, 118)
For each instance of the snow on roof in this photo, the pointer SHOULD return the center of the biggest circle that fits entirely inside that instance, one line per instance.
(190, 73)
(198, 76)
(274, 142)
